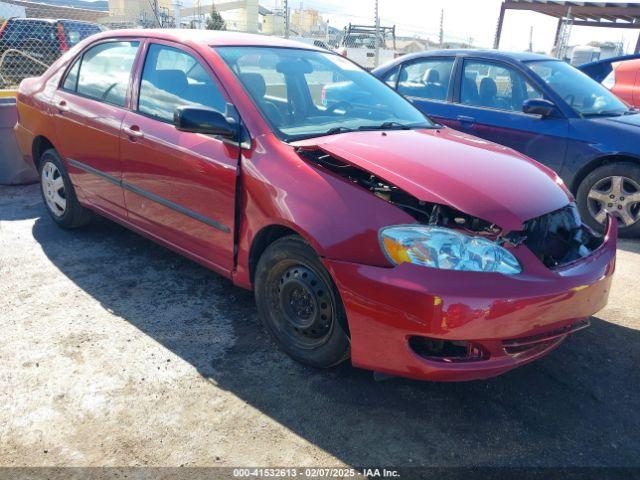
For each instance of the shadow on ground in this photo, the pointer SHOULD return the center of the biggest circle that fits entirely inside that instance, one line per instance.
(579, 406)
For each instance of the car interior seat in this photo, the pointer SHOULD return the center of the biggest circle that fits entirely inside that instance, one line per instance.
(469, 95)
(257, 86)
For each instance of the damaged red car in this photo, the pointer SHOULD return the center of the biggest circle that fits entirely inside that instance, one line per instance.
(366, 230)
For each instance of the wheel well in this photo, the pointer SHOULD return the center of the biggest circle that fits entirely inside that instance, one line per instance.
(40, 145)
(597, 163)
(262, 240)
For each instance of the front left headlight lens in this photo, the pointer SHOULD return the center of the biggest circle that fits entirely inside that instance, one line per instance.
(446, 249)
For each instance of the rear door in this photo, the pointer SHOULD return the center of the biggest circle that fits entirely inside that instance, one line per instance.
(426, 82)
(89, 108)
(488, 104)
(179, 186)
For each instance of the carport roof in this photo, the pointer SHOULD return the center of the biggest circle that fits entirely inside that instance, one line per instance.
(584, 14)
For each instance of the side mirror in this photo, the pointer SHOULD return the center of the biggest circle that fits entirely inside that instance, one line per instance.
(204, 120)
(539, 106)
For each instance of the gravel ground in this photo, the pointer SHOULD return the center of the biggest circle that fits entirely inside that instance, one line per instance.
(117, 352)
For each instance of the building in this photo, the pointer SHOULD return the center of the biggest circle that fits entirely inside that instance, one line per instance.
(147, 13)
(308, 21)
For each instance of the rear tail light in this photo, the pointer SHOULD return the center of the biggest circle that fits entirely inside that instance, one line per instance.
(3, 28)
(62, 39)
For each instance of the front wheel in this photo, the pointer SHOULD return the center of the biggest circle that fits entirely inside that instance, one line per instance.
(614, 190)
(299, 304)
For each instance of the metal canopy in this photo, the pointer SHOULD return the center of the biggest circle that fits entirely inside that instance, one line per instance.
(584, 14)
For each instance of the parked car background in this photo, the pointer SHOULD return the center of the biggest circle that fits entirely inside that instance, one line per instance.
(541, 107)
(621, 75)
(29, 45)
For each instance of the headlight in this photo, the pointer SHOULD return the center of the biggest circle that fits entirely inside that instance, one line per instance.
(446, 249)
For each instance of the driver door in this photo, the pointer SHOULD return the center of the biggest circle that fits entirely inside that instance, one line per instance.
(488, 105)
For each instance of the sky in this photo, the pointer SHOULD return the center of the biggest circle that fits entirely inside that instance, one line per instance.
(463, 19)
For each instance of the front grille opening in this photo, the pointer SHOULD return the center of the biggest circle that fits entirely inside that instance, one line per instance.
(447, 351)
(559, 238)
(535, 343)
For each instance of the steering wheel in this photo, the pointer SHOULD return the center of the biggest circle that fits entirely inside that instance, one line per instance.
(345, 106)
(108, 91)
(570, 98)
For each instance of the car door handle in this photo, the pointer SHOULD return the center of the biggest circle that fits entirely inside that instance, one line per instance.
(133, 131)
(62, 106)
(466, 119)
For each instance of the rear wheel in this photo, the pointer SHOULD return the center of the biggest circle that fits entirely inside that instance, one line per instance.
(612, 190)
(299, 304)
(58, 193)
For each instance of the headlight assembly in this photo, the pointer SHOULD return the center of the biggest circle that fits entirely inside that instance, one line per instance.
(446, 249)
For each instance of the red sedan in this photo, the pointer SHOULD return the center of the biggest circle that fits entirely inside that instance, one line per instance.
(366, 230)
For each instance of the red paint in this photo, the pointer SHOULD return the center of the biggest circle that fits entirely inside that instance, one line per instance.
(627, 85)
(268, 183)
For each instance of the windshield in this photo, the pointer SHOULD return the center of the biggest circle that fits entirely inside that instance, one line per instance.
(586, 96)
(304, 93)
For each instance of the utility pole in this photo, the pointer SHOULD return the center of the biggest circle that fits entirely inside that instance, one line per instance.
(377, 13)
(441, 37)
(177, 4)
(531, 38)
(287, 26)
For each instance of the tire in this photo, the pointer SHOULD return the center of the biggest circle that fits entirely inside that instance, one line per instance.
(300, 305)
(596, 190)
(58, 194)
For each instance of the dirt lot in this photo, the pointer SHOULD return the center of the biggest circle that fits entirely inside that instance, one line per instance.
(115, 351)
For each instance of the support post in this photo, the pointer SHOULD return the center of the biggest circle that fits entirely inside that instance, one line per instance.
(496, 41)
(637, 50)
(377, 58)
(287, 26)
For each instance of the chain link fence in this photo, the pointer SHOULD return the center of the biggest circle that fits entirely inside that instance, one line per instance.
(34, 34)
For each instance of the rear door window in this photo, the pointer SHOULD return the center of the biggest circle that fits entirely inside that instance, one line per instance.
(105, 71)
(173, 78)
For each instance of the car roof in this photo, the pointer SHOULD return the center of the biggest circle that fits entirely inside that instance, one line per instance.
(48, 20)
(208, 38)
(488, 54)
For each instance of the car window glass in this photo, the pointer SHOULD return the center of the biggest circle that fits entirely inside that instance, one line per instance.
(427, 79)
(105, 70)
(172, 78)
(305, 93)
(71, 80)
(76, 31)
(490, 85)
(392, 78)
(29, 31)
(253, 73)
(578, 90)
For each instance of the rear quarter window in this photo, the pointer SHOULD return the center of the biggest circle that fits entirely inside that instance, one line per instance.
(23, 30)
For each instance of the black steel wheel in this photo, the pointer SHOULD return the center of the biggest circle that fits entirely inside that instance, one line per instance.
(299, 304)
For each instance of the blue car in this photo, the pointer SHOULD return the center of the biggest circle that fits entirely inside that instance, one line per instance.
(539, 106)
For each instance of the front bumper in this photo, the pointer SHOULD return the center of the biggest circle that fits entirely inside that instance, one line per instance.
(514, 319)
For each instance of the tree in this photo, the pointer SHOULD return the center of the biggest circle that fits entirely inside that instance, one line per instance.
(215, 20)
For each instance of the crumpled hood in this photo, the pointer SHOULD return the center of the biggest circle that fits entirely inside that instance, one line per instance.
(444, 166)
